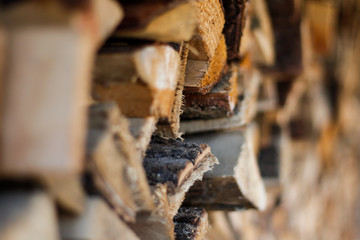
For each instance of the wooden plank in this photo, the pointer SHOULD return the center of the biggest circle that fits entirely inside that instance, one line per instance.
(177, 165)
(233, 184)
(219, 102)
(207, 35)
(165, 21)
(97, 222)
(170, 127)
(202, 75)
(243, 113)
(48, 126)
(141, 80)
(27, 214)
(191, 224)
(156, 224)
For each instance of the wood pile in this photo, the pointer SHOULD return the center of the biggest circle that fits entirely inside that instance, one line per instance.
(179, 119)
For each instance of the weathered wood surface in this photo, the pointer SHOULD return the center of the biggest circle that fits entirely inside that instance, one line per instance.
(109, 131)
(98, 221)
(140, 79)
(202, 75)
(166, 21)
(191, 224)
(27, 214)
(219, 102)
(47, 126)
(169, 128)
(177, 165)
(207, 35)
(233, 184)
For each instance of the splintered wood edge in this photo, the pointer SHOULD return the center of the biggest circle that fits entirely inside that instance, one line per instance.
(171, 129)
(206, 163)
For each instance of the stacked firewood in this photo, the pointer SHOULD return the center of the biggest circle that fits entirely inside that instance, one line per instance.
(125, 119)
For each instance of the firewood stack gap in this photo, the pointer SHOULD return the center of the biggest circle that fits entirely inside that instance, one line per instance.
(179, 119)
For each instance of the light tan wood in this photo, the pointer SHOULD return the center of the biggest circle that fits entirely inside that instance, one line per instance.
(106, 120)
(157, 224)
(170, 127)
(142, 82)
(322, 21)
(107, 14)
(97, 222)
(67, 191)
(263, 48)
(200, 75)
(27, 215)
(207, 35)
(176, 24)
(236, 181)
(44, 129)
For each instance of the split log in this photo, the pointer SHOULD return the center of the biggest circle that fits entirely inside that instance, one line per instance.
(48, 126)
(244, 112)
(109, 133)
(97, 222)
(166, 21)
(142, 129)
(191, 224)
(207, 36)
(27, 214)
(219, 102)
(233, 184)
(202, 75)
(170, 128)
(156, 224)
(177, 165)
(221, 227)
(235, 15)
(141, 80)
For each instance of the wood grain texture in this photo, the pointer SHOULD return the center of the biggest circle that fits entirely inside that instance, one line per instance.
(106, 120)
(219, 102)
(233, 184)
(27, 214)
(142, 129)
(170, 127)
(98, 221)
(200, 75)
(141, 81)
(208, 31)
(48, 126)
(172, 21)
(156, 224)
